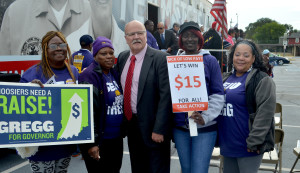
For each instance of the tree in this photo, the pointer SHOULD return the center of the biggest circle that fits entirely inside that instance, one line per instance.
(290, 29)
(269, 33)
(250, 29)
(266, 30)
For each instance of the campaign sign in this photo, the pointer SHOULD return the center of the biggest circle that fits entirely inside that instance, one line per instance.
(187, 83)
(53, 115)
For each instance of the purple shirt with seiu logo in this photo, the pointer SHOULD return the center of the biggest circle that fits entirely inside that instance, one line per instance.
(62, 76)
(233, 122)
(114, 107)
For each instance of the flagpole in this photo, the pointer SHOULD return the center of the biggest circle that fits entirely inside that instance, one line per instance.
(222, 36)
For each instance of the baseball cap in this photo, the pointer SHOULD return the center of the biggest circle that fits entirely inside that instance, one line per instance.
(189, 25)
(266, 51)
(86, 40)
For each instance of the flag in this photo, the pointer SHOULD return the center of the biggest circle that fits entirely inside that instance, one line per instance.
(218, 11)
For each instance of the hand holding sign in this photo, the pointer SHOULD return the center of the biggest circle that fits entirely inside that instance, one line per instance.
(188, 88)
(187, 83)
(197, 118)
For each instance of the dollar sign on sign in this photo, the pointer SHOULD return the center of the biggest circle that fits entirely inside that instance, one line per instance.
(76, 112)
(179, 82)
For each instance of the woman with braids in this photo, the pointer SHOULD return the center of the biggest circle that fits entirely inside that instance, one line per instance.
(246, 125)
(55, 62)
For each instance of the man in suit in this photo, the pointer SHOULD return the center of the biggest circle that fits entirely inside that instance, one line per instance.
(166, 39)
(175, 29)
(147, 102)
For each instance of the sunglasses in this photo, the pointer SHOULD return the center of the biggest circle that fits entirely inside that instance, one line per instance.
(55, 46)
(160, 28)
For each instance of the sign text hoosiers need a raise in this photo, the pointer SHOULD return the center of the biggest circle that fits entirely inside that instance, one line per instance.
(25, 105)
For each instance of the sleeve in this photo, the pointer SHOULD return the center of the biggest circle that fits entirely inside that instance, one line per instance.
(96, 106)
(163, 115)
(153, 42)
(265, 96)
(216, 98)
(24, 79)
(29, 75)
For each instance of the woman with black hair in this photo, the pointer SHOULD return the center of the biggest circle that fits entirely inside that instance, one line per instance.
(246, 125)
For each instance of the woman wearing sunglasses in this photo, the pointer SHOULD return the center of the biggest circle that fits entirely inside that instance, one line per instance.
(55, 62)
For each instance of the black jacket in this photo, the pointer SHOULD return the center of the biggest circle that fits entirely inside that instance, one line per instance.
(154, 103)
(93, 75)
(170, 41)
(212, 40)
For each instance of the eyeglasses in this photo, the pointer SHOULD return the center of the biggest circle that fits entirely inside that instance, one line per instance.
(55, 46)
(138, 33)
(160, 28)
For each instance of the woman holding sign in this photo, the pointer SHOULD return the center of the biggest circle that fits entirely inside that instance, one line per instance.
(56, 67)
(246, 126)
(195, 152)
(106, 153)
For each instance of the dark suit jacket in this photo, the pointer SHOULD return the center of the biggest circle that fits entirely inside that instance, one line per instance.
(154, 98)
(170, 41)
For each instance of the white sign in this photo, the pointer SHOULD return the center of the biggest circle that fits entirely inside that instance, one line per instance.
(187, 83)
(188, 86)
(284, 42)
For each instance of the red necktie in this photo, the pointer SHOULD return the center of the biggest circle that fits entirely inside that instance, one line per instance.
(127, 92)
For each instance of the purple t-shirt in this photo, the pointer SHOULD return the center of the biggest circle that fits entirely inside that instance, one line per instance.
(151, 41)
(62, 76)
(53, 152)
(233, 122)
(114, 108)
(87, 57)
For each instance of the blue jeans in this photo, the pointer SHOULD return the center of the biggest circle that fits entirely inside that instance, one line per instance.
(194, 152)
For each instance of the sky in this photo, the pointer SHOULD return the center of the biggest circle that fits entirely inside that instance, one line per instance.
(245, 12)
